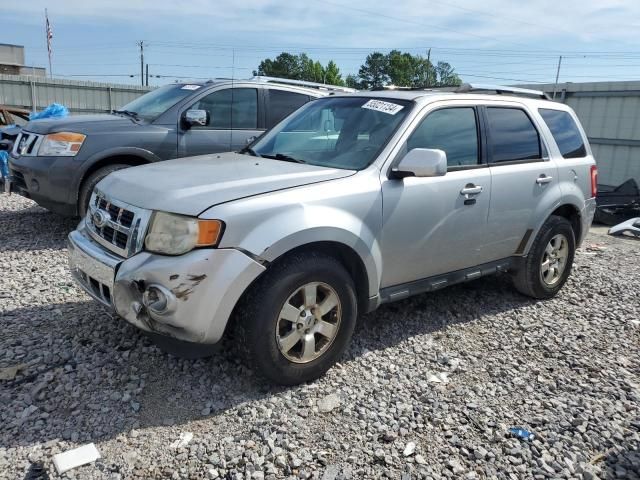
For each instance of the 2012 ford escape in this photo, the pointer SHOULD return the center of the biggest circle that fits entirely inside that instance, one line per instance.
(353, 201)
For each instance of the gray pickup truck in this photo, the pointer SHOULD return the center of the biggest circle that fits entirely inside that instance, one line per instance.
(353, 201)
(58, 162)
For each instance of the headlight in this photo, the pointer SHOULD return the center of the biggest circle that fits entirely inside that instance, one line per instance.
(173, 234)
(63, 144)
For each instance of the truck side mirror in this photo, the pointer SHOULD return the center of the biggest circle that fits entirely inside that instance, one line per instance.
(198, 118)
(422, 162)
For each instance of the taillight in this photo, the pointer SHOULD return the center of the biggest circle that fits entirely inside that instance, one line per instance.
(594, 180)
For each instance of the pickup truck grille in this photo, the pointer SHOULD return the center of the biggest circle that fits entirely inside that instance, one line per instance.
(27, 144)
(116, 225)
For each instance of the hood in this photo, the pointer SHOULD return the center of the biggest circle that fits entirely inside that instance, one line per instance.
(78, 123)
(189, 186)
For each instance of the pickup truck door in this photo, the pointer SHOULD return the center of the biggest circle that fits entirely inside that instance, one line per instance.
(524, 179)
(438, 225)
(234, 118)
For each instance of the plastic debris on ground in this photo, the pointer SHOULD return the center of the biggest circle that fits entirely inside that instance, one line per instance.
(74, 458)
(55, 110)
(521, 433)
(631, 226)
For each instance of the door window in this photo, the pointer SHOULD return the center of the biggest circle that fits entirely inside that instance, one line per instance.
(512, 135)
(453, 130)
(282, 103)
(565, 132)
(231, 108)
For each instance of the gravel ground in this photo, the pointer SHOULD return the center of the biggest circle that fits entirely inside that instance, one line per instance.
(428, 389)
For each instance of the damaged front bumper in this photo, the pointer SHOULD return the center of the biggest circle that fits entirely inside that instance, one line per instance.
(189, 297)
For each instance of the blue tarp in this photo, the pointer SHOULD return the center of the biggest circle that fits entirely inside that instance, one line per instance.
(55, 110)
(4, 163)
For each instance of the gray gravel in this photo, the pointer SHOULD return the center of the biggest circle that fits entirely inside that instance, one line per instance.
(428, 389)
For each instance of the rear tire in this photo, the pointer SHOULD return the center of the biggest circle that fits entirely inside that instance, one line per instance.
(548, 265)
(297, 320)
(90, 183)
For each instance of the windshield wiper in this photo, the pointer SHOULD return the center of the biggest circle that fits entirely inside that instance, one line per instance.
(283, 157)
(128, 113)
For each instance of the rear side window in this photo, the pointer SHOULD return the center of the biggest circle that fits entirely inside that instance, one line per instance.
(453, 130)
(565, 132)
(512, 135)
(281, 104)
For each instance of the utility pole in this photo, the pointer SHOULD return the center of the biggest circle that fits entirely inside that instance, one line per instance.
(555, 86)
(428, 66)
(146, 80)
(141, 45)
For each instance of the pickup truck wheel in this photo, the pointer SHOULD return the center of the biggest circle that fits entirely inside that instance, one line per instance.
(90, 183)
(298, 319)
(549, 262)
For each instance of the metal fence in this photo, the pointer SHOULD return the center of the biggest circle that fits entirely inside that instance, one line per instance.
(610, 114)
(37, 93)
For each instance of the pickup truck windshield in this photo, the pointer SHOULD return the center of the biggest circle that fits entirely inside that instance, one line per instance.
(337, 132)
(151, 105)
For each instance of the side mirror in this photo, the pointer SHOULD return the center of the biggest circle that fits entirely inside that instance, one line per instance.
(422, 162)
(199, 118)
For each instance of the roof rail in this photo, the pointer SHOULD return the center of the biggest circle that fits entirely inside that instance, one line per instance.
(303, 83)
(475, 87)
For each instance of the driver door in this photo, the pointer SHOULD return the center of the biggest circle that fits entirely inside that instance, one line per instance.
(233, 119)
(430, 225)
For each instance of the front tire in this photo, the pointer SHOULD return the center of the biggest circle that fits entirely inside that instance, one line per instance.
(548, 265)
(297, 320)
(90, 183)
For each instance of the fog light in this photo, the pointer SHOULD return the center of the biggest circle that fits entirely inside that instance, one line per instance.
(35, 186)
(158, 299)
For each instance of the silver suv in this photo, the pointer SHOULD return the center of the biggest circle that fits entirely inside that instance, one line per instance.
(353, 201)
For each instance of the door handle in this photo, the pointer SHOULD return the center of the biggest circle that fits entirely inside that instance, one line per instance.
(471, 189)
(542, 179)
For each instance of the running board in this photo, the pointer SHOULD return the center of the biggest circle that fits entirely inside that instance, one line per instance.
(430, 284)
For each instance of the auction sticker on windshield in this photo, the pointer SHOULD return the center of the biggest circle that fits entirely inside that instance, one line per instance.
(190, 87)
(381, 106)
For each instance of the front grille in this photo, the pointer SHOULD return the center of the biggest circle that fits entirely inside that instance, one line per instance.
(27, 144)
(117, 225)
(18, 179)
(101, 291)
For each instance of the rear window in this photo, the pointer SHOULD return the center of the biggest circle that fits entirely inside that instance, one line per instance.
(512, 135)
(282, 103)
(565, 132)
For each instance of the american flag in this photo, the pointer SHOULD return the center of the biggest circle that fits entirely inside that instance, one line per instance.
(49, 32)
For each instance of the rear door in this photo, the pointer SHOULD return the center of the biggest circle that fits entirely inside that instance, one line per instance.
(234, 118)
(430, 225)
(280, 103)
(524, 179)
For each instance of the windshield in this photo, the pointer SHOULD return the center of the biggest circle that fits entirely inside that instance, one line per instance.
(151, 105)
(338, 132)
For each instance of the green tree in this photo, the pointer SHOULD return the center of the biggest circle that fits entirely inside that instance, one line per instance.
(352, 81)
(374, 72)
(332, 75)
(447, 77)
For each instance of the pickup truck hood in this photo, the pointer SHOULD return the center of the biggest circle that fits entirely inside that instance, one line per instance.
(79, 124)
(189, 186)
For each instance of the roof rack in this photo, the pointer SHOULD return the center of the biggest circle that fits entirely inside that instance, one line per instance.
(475, 87)
(302, 83)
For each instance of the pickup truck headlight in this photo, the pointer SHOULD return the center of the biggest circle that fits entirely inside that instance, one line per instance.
(63, 144)
(172, 234)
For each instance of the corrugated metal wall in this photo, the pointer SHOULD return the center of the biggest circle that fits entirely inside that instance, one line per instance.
(79, 97)
(610, 114)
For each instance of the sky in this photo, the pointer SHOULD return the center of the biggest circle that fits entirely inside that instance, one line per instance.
(493, 41)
